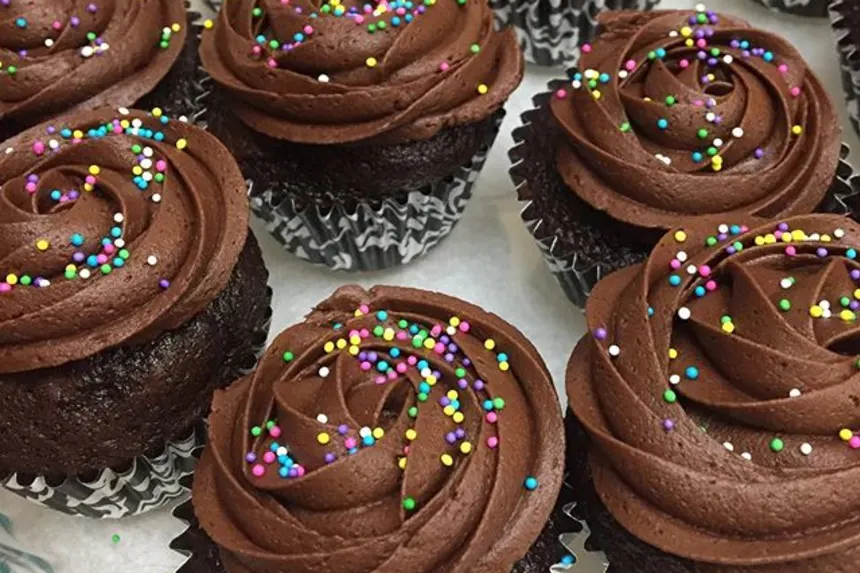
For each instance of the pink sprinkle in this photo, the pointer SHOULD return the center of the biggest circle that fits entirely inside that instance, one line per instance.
(790, 251)
(367, 9)
(57, 25)
(117, 129)
(308, 29)
(406, 450)
(705, 270)
(102, 259)
(685, 63)
(359, 19)
(401, 367)
(275, 432)
(435, 331)
(630, 65)
(854, 442)
(392, 375)
(258, 470)
(412, 361)
(777, 234)
(38, 148)
(444, 66)
(256, 50)
(400, 11)
(439, 348)
(109, 249)
(352, 333)
(160, 165)
(364, 309)
(675, 264)
(380, 379)
(272, 63)
(744, 228)
(586, 48)
(30, 187)
(284, 2)
(5, 287)
(300, 470)
(401, 335)
(711, 285)
(492, 417)
(364, 333)
(701, 43)
(782, 68)
(561, 94)
(365, 365)
(349, 443)
(90, 179)
(464, 326)
(269, 457)
(492, 442)
(64, 199)
(795, 91)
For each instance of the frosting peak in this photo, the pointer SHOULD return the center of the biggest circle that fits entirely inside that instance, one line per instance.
(340, 72)
(393, 430)
(720, 388)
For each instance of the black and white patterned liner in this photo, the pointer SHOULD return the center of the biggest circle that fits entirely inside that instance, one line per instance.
(809, 8)
(551, 31)
(849, 55)
(368, 237)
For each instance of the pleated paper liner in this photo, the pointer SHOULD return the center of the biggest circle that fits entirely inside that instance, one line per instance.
(576, 270)
(550, 32)
(845, 21)
(807, 8)
(146, 483)
(561, 546)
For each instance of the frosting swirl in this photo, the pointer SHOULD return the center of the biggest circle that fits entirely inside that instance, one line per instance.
(678, 113)
(423, 437)
(114, 228)
(720, 390)
(58, 55)
(346, 71)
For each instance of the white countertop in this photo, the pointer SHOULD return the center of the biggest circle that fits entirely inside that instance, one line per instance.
(489, 259)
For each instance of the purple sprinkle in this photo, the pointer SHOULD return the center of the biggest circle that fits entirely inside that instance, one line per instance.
(451, 437)
(712, 62)
(718, 119)
(444, 401)
(453, 348)
(704, 80)
(854, 305)
(372, 356)
(437, 374)
(668, 425)
(759, 153)
(600, 333)
(460, 433)
(5, 2)
(855, 274)
(79, 257)
(164, 283)
(745, 53)
(74, 194)
(700, 34)
(329, 458)
(421, 9)
(709, 33)
(722, 237)
(342, 429)
(782, 227)
(449, 357)
(294, 472)
(32, 178)
(730, 250)
(701, 55)
(91, 8)
(692, 20)
(478, 385)
(466, 363)
(251, 457)
(75, 21)
(821, 252)
(51, 130)
(362, 355)
(462, 383)
(444, 339)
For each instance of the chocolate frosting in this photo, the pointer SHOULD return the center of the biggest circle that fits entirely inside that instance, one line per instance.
(343, 83)
(733, 91)
(114, 228)
(84, 54)
(723, 412)
(346, 424)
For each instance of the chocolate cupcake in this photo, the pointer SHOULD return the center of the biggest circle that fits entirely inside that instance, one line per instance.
(550, 32)
(58, 58)
(717, 390)
(362, 129)
(131, 289)
(392, 429)
(845, 20)
(673, 115)
(809, 8)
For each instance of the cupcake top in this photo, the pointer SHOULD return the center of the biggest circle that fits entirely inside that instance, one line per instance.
(394, 429)
(57, 57)
(720, 385)
(690, 113)
(344, 71)
(115, 226)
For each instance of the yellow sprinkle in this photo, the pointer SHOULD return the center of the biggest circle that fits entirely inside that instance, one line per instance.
(796, 130)
(689, 42)
(728, 327)
(825, 238)
(595, 94)
(816, 311)
(176, 27)
(847, 315)
(94, 170)
(11, 279)
(489, 344)
(504, 366)
(388, 334)
(355, 339)
(431, 380)
(459, 417)
(786, 237)
(455, 321)
(137, 170)
(88, 187)
(711, 77)
(358, 313)
(42, 244)
(680, 236)
(646, 98)
(411, 434)
(341, 343)
(770, 239)
(798, 235)
(181, 143)
(71, 268)
(371, 62)
(845, 434)
(759, 240)
(466, 448)
(673, 354)
(323, 438)
(208, 24)
(78, 134)
(402, 463)
(686, 31)
(449, 411)
(447, 460)
(482, 89)
(378, 433)
(329, 346)
(354, 350)
(157, 112)
(452, 395)
(857, 294)
(429, 343)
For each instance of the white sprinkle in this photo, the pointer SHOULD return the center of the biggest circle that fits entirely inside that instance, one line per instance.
(681, 256)
(622, 74)
(136, 122)
(691, 269)
(147, 152)
(718, 142)
(663, 158)
(674, 379)
(167, 31)
(9, 151)
(147, 176)
(738, 132)
(87, 51)
(729, 446)
(451, 331)
(824, 304)
(673, 34)
(786, 283)
(591, 74)
(324, 372)
(827, 314)
(156, 198)
(684, 313)
(322, 419)
(710, 117)
(54, 144)
(576, 84)
(794, 393)
(152, 260)
(123, 111)
(119, 243)
(85, 273)
(323, 78)
(813, 237)
(425, 372)
(183, 119)
(614, 350)
(282, 451)
(700, 7)
(118, 218)
(728, 59)
(104, 47)
(747, 456)
(364, 432)
(723, 228)
(146, 163)
(805, 449)
(838, 233)
(49, 43)
(45, 283)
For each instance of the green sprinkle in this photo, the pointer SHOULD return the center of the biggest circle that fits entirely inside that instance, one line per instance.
(670, 396)
(325, 9)
(288, 356)
(702, 133)
(845, 301)
(711, 241)
(271, 424)
(274, 44)
(785, 304)
(712, 151)
(422, 397)
(91, 36)
(460, 372)
(136, 149)
(725, 318)
(461, 2)
(409, 504)
(25, 280)
(159, 177)
(670, 100)
(738, 246)
(592, 84)
(499, 403)
(164, 45)
(70, 274)
(625, 127)
(257, 12)
(106, 269)
(12, 70)
(402, 323)
(417, 341)
(256, 431)
(475, 48)
(378, 330)
(371, 28)
(115, 538)
(381, 25)
(124, 254)
(715, 52)
(777, 445)
(652, 55)
(413, 412)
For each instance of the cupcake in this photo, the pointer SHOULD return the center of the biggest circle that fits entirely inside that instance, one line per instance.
(130, 289)
(551, 32)
(59, 58)
(714, 417)
(394, 429)
(673, 115)
(362, 128)
(810, 8)
(845, 20)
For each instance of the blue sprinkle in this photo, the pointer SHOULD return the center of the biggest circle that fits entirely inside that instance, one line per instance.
(382, 365)
(502, 357)
(381, 315)
(650, 311)
(735, 230)
(77, 240)
(674, 280)
(697, 157)
(568, 560)
(700, 291)
(662, 123)
(424, 388)
(352, 451)
(116, 232)
(408, 18)
(691, 372)
(118, 262)
(422, 364)
(66, 133)
(395, 352)
(768, 56)
(661, 52)
(851, 253)
(159, 136)
(92, 261)
(284, 472)
(395, 21)
(56, 195)
(368, 440)
(413, 329)
(531, 483)
(274, 447)
(488, 405)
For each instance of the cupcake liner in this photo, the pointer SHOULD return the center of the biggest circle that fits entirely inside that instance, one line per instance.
(146, 483)
(577, 276)
(563, 546)
(372, 235)
(849, 55)
(551, 31)
(808, 8)
(14, 556)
